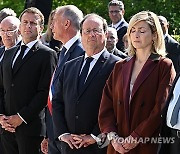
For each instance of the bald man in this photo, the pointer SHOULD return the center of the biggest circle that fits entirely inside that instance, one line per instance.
(172, 46)
(9, 32)
(112, 40)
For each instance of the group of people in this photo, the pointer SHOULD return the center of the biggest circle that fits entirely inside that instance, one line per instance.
(85, 87)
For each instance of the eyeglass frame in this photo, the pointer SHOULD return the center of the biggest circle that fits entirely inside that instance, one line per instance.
(115, 11)
(8, 33)
(95, 31)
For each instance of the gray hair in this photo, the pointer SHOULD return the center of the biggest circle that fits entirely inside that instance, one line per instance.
(72, 13)
(116, 3)
(12, 20)
(6, 12)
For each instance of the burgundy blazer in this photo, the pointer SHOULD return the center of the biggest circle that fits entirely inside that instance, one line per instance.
(140, 116)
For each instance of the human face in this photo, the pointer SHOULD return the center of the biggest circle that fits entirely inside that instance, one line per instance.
(93, 35)
(141, 36)
(30, 27)
(9, 34)
(111, 41)
(57, 27)
(115, 14)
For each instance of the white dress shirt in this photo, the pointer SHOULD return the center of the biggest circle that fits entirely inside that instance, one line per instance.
(176, 94)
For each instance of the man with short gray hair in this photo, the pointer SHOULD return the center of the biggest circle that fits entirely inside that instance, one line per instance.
(65, 28)
(116, 14)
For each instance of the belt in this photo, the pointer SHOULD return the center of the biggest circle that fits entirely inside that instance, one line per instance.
(175, 132)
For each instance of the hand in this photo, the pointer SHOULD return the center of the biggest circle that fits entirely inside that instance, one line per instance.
(5, 124)
(14, 120)
(44, 146)
(130, 143)
(70, 141)
(86, 140)
(118, 146)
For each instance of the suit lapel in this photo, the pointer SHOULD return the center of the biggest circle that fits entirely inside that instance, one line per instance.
(144, 73)
(126, 72)
(65, 59)
(27, 56)
(102, 59)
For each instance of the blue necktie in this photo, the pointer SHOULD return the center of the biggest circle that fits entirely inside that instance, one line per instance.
(61, 56)
(84, 72)
(174, 117)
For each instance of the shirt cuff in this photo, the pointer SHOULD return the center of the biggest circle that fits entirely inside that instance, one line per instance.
(62, 136)
(21, 118)
(97, 139)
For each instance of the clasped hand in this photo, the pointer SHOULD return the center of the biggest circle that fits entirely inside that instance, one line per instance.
(9, 123)
(78, 141)
(124, 146)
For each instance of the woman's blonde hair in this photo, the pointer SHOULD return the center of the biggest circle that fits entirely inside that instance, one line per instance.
(158, 45)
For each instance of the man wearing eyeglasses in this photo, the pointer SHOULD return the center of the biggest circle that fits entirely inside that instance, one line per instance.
(78, 91)
(9, 32)
(116, 14)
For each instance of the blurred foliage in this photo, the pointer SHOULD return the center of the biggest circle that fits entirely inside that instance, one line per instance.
(168, 8)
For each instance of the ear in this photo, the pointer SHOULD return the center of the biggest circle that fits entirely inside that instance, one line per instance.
(155, 37)
(67, 24)
(41, 28)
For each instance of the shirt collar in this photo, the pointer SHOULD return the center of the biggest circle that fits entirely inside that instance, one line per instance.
(30, 44)
(96, 56)
(117, 24)
(69, 43)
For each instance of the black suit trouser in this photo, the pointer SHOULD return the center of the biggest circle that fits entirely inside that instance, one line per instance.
(16, 143)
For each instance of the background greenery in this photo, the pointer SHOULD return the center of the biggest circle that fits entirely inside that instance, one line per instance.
(168, 8)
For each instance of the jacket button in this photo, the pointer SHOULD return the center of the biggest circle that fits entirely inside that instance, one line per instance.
(12, 85)
(77, 117)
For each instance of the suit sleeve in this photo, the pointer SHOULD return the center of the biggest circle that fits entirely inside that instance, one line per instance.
(1, 91)
(107, 120)
(58, 115)
(39, 101)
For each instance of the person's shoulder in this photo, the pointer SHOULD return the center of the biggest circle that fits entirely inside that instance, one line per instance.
(165, 62)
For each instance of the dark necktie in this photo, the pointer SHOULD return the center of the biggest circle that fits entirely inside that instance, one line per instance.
(20, 56)
(84, 72)
(174, 117)
(61, 56)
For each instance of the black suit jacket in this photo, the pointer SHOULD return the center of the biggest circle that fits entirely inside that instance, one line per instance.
(173, 50)
(25, 89)
(2, 50)
(121, 31)
(75, 50)
(75, 112)
(119, 53)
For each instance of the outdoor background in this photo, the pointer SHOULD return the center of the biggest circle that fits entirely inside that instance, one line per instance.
(168, 8)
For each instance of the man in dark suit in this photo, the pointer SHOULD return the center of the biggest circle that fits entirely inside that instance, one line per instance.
(112, 40)
(172, 46)
(116, 14)
(65, 28)
(78, 92)
(171, 118)
(26, 74)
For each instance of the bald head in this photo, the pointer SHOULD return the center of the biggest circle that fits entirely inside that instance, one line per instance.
(11, 20)
(164, 24)
(9, 31)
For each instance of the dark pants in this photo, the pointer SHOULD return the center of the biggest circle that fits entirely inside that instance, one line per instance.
(52, 147)
(15, 143)
(175, 147)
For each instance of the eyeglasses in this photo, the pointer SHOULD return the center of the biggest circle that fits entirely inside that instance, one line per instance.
(8, 33)
(115, 11)
(95, 31)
